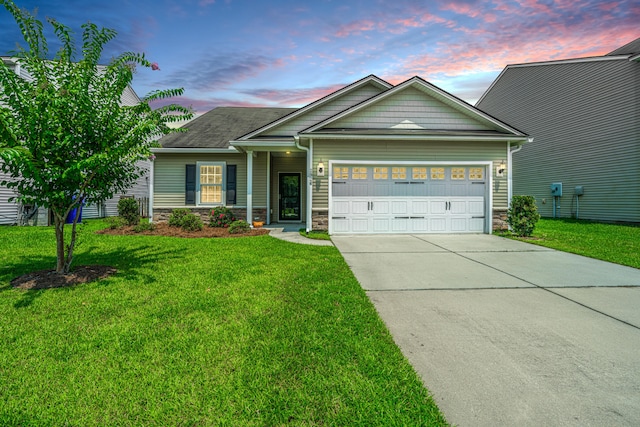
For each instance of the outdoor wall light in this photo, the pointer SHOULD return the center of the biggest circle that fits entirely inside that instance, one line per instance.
(320, 170)
(501, 168)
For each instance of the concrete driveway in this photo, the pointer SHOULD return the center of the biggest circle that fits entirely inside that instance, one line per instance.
(506, 333)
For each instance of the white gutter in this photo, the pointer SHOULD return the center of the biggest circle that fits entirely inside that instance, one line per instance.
(309, 177)
(229, 150)
(377, 137)
(151, 173)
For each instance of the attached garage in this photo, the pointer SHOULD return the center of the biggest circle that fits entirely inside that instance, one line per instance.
(409, 198)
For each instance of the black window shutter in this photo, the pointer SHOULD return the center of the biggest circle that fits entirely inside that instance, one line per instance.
(190, 185)
(231, 184)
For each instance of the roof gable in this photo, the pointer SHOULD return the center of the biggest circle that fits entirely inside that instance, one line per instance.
(414, 104)
(319, 110)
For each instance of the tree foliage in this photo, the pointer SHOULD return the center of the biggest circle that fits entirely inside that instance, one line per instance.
(523, 215)
(65, 136)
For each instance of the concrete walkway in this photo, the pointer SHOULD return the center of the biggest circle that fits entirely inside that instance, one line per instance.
(506, 333)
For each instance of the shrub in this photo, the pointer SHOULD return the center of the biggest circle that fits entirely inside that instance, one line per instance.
(221, 217)
(523, 215)
(177, 215)
(144, 226)
(191, 222)
(239, 227)
(129, 210)
(115, 222)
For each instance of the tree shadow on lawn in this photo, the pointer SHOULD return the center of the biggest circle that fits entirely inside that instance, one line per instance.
(131, 264)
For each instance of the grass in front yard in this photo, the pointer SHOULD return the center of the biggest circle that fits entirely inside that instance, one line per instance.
(608, 242)
(315, 234)
(240, 332)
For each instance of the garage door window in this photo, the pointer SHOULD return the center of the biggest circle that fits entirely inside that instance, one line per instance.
(476, 174)
(340, 173)
(437, 173)
(359, 173)
(399, 173)
(380, 173)
(419, 173)
(458, 173)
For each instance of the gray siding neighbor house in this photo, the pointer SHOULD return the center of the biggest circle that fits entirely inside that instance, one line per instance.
(585, 116)
(14, 213)
(368, 158)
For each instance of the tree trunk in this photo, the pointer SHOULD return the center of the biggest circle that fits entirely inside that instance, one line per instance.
(59, 225)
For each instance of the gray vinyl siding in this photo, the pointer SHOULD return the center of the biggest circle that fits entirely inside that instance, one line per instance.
(585, 118)
(8, 210)
(413, 105)
(408, 151)
(169, 177)
(324, 111)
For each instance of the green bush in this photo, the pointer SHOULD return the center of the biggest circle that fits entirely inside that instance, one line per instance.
(192, 222)
(239, 227)
(115, 222)
(144, 226)
(129, 210)
(177, 215)
(221, 217)
(523, 215)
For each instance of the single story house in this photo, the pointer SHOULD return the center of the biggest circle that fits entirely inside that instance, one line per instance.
(585, 115)
(15, 213)
(369, 158)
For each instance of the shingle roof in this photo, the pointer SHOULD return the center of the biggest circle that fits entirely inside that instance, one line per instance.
(628, 49)
(217, 127)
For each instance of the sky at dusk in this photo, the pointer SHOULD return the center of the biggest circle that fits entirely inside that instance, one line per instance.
(285, 53)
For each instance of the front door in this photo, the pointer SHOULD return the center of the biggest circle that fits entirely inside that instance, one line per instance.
(289, 185)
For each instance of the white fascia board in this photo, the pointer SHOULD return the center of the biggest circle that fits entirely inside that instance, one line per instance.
(509, 138)
(265, 145)
(161, 150)
(318, 103)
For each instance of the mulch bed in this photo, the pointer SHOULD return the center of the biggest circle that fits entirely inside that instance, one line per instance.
(47, 279)
(163, 229)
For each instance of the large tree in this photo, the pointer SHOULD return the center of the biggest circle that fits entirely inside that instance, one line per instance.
(65, 136)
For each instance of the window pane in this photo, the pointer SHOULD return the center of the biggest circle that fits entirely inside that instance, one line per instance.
(358, 173)
(399, 173)
(419, 173)
(437, 173)
(211, 174)
(210, 194)
(340, 173)
(476, 173)
(457, 173)
(380, 173)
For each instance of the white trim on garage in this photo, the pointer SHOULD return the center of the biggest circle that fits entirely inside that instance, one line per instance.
(420, 202)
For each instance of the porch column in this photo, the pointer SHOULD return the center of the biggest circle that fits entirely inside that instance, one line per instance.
(250, 187)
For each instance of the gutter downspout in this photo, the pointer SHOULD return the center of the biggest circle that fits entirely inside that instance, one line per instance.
(151, 173)
(509, 168)
(296, 138)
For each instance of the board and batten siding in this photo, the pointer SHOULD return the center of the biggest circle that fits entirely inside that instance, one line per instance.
(169, 178)
(323, 112)
(410, 105)
(453, 152)
(585, 120)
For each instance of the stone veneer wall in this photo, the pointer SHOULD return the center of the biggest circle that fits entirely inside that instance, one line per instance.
(162, 214)
(320, 220)
(500, 220)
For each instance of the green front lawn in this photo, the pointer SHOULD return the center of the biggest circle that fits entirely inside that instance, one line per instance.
(608, 242)
(237, 332)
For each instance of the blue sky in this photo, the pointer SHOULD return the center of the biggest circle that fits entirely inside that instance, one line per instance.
(286, 53)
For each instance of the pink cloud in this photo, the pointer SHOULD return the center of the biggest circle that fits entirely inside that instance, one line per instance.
(355, 27)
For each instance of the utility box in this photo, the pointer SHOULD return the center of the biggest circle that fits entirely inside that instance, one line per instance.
(556, 189)
(579, 190)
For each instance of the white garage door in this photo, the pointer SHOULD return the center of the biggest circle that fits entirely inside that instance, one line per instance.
(408, 199)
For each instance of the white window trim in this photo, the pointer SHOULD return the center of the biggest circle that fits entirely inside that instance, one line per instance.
(223, 200)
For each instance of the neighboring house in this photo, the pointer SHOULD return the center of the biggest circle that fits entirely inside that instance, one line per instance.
(368, 158)
(14, 213)
(585, 116)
